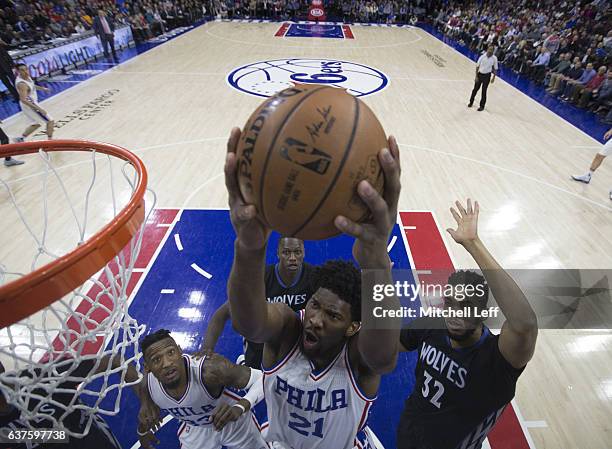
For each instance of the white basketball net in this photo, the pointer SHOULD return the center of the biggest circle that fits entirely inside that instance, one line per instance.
(55, 359)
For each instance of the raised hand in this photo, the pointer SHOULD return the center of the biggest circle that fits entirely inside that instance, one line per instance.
(251, 233)
(370, 248)
(467, 222)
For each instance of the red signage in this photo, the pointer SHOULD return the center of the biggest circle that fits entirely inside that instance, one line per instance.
(316, 12)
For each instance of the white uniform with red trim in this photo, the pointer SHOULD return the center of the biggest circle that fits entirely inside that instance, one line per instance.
(314, 410)
(33, 115)
(195, 410)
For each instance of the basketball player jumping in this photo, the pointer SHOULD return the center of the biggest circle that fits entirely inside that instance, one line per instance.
(287, 282)
(466, 375)
(321, 372)
(28, 100)
(193, 391)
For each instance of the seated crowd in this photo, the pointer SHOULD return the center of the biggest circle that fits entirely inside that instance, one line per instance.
(29, 22)
(382, 11)
(564, 46)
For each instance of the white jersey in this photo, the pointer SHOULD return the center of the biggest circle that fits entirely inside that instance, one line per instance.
(195, 410)
(309, 409)
(196, 405)
(32, 95)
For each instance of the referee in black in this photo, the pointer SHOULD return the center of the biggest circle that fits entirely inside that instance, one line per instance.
(485, 67)
(288, 281)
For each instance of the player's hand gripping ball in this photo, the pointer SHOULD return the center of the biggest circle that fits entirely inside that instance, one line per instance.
(301, 155)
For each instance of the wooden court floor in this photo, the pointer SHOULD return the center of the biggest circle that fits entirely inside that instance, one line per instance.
(174, 108)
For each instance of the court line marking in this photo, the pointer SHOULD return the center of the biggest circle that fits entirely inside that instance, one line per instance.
(202, 271)
(167, 291)
(521, 421)
(128, 72)
(151, 262)
(335, 47)
(590, 147)
(430, 79)
(163, 225)
(391, 243)
(213, 178)
(141, 150)
(177, 241)
(444, 234)
(512, 172)
(536, 424)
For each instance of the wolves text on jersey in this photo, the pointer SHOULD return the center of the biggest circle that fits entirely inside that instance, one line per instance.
(443, 364)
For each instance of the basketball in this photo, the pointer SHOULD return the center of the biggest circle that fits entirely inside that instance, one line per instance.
(301, 155)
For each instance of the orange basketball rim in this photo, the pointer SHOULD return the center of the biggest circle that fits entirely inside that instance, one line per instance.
(40, 288)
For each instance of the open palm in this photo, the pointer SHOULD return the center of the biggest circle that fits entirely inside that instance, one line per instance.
(467, 222)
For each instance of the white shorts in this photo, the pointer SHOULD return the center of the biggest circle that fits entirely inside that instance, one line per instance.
(240, 434)
(33, 116)
(607, 148)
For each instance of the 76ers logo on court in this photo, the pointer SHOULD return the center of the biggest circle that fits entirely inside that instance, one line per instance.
(266, 78)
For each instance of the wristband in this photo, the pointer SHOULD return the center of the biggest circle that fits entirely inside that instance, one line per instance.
(254, 377)
(240, 406)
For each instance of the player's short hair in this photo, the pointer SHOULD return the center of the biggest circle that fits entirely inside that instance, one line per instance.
(283, 237)
(468, 277)
(342, 278)
(152, 338)
(19, 64)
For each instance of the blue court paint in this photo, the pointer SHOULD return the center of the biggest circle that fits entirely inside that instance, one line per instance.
(314, 30)
(580, 118)
(208, 240)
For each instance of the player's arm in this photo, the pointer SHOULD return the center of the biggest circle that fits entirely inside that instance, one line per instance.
(252, 316)
(215, 328)
(377, 346)
(520, 330)
(44, 89)
(219, 371)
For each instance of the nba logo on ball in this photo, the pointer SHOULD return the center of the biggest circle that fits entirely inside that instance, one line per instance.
(265, 78)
